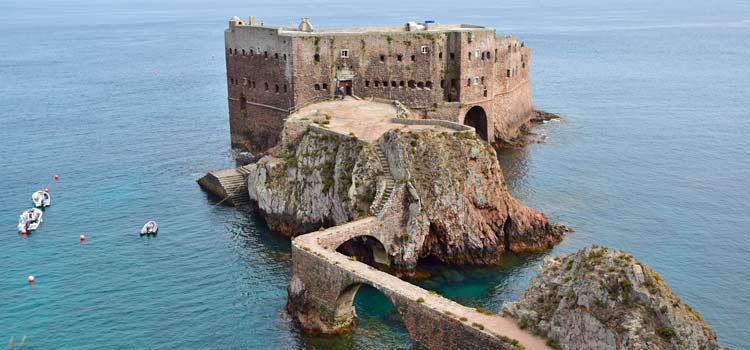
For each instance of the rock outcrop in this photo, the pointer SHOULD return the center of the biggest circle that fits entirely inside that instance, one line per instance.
(450, 198)
(603, 299)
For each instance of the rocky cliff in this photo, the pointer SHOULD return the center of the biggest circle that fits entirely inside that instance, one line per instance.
(603, 299)
(450, 199)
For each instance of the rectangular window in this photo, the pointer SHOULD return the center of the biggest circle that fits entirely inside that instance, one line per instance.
(345, 53)
(424, 50)
(476, 80)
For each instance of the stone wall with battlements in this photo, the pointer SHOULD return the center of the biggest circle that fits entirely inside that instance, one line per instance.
(438, 71)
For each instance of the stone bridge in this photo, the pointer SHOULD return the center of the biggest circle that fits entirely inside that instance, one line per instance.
(325, 282)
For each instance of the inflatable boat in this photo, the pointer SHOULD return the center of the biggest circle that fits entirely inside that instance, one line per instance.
(30, 220)
(41, 198)
(149, 228)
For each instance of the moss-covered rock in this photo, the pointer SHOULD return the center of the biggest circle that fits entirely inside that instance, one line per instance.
(603, 299)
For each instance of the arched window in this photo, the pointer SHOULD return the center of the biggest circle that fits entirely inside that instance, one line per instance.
(252, 53)
(400, 57)
(317, 86)
(412, 84)
(235, 52)
(284, 57)
(468, 83)
(385, 83)
(325, 86)
(428, 84)
(442, 83)
(382, 58)
(284, 88)
(265, 85)
(276, 88)
(377, 83)
(316, 57)
(265, 54)
(393, 83)
(401, 83)
(413, 58)
(420, 85)
(367, 83)
(469, 56)
(276, 55)
(243, 52)
(482, 79)
(440, 55)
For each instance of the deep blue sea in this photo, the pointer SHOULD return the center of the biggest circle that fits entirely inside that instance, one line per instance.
(126, 101)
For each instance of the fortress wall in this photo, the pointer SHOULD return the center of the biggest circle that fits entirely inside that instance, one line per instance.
(258, 69)
(477, 58)
(512, 103)
(412, 74)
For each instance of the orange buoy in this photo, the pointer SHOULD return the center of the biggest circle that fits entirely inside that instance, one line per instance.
(57, 177)
(82, 238)
(31, 278)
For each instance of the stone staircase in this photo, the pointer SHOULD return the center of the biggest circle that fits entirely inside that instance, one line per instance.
(383, 198)
(229, 184)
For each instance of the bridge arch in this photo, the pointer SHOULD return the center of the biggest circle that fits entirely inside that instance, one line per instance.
(345, 310)
(366, 249)
(476, 117)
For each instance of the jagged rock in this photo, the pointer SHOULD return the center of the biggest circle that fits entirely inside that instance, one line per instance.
(451, 197)
(603, 299)
(316, 180)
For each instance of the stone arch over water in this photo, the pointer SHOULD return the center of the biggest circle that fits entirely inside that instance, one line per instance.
(345, 307)
(476, 117)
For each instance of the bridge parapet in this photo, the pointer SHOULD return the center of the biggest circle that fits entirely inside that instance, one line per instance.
(325, 282)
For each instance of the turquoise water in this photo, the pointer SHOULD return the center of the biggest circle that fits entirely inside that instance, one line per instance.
(127, 102)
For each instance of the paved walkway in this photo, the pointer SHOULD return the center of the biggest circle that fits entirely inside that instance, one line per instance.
(365, 119)
(324, 243)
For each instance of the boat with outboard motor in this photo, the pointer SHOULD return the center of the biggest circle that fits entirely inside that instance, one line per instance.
(149, 228)
(41, 198)
(30, 220)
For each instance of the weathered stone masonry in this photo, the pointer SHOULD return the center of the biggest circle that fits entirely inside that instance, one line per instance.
(462, 73)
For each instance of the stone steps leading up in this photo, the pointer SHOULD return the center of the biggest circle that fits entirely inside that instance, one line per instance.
(383, 198)
(229, 184)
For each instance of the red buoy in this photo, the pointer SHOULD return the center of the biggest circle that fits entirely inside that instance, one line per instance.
(57, 177)
(31, 278)
(82, 238)
(46, 190)
(23, 232)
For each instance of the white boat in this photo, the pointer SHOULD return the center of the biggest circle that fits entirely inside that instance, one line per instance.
(41, 199)
(149, 228)
(30, 220)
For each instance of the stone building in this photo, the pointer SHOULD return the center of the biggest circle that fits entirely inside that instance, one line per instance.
(457, 72)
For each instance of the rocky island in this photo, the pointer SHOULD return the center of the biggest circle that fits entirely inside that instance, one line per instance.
(605, 299)
(394, 165)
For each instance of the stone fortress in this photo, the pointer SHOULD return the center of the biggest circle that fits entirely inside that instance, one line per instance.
(456, 72)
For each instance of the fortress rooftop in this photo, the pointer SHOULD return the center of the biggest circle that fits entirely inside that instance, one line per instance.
(306, 28)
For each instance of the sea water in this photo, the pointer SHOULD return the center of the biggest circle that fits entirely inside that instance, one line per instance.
(126, 101)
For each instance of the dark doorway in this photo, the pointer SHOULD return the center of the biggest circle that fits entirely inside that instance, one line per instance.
(477, 118)
(345, 88)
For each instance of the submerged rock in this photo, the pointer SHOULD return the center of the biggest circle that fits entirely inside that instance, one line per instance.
(603, 299)
(449, 202)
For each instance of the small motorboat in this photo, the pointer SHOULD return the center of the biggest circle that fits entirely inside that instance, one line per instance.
(30, 220)
(149, 228)
(41, 198)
